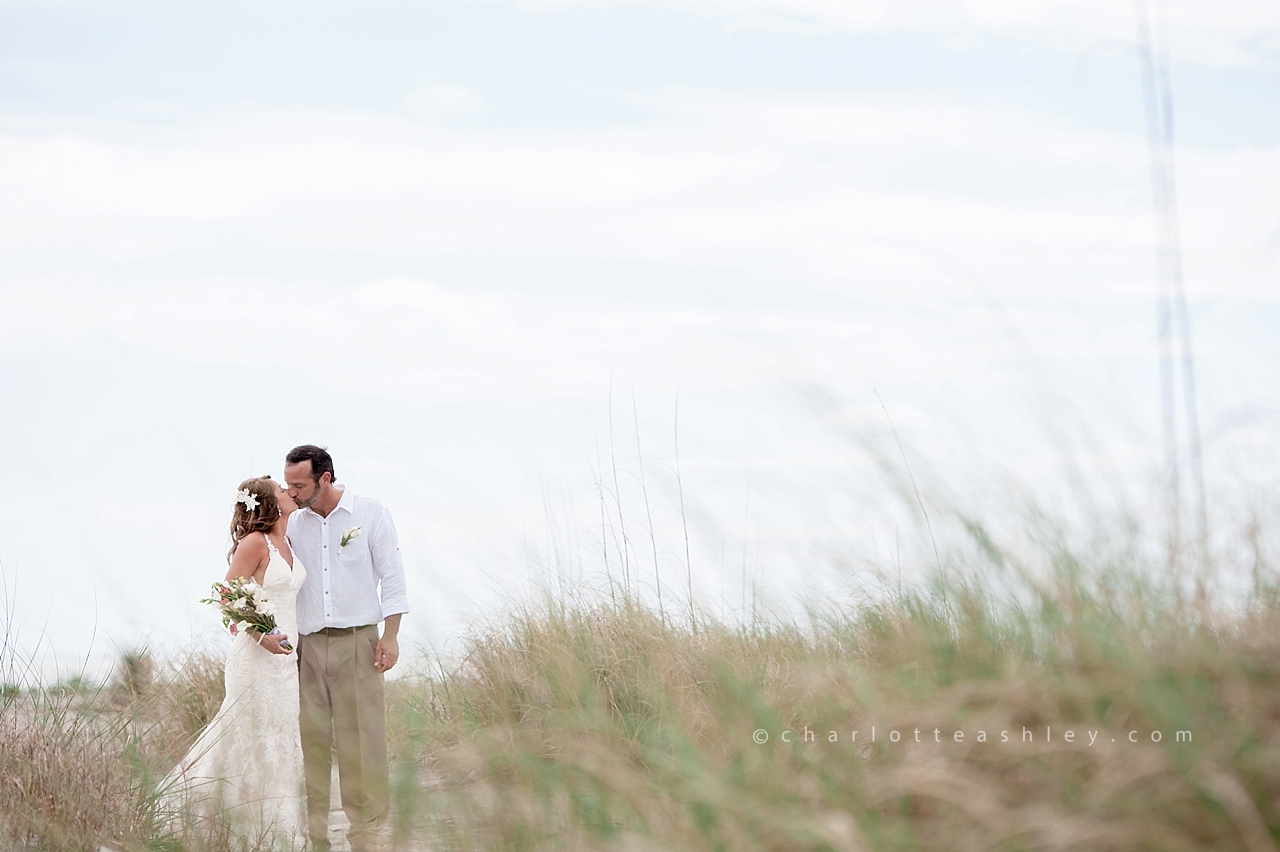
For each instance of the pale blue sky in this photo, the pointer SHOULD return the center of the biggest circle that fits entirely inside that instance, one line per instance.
(572, 67)
(434, 236)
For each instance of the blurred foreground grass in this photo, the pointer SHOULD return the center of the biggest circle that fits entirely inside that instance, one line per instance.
(603, 726)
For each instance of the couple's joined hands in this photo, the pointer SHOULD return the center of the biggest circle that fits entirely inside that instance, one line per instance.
(385, 654)
(272, 642)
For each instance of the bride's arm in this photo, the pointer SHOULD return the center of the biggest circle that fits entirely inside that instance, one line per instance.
(250, 562)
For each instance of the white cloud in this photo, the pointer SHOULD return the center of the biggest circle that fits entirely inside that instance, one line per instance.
(412, 339)
(443, 101)
(1231, 32)
(891, 201)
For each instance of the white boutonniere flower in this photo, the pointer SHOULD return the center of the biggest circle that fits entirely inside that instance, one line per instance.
(352, 532)
(249, 500)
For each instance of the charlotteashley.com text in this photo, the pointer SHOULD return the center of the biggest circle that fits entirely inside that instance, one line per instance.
(1072, 736)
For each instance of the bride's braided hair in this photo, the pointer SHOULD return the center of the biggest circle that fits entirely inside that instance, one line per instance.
(245, 520)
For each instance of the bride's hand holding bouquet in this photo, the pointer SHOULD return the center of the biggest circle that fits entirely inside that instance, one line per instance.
(243, 604)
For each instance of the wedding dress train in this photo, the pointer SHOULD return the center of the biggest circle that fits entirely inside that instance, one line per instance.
(246, 766)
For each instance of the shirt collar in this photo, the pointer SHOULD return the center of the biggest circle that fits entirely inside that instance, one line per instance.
(346, 501)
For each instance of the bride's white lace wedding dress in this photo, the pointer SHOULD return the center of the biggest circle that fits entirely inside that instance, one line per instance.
(247, 764)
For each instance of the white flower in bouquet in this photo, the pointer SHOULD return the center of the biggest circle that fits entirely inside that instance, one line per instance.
(241, 602)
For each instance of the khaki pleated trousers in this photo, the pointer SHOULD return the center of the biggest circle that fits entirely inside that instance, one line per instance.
(344, 710)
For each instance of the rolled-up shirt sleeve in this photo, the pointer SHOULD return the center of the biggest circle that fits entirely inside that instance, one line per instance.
(388, 564)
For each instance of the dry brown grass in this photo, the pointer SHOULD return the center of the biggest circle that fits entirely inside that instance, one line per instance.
(606, 727)
(79, 762)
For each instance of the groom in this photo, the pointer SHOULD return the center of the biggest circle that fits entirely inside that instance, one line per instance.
(355, 579)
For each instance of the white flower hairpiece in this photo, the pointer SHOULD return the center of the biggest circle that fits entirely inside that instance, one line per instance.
(249, 500)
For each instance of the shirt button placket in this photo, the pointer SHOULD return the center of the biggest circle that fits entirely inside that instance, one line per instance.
(324, 561)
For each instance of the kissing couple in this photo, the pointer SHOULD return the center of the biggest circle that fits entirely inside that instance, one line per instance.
(327, 563)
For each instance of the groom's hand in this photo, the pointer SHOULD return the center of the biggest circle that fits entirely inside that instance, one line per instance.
(386, 653)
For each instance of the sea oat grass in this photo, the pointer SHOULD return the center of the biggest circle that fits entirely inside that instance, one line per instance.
(80, 763)
(65, 776)
(607, 726)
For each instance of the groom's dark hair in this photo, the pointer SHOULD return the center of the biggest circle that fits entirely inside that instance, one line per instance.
(321, 461)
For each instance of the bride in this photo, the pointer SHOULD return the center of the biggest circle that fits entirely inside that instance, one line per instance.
(246, 766)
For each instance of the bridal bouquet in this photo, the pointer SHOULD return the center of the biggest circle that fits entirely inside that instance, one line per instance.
(243, 602)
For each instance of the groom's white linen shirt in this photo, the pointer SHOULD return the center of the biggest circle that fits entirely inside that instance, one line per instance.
(362, 584)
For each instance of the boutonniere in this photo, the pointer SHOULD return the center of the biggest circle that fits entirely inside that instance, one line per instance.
(352, 532)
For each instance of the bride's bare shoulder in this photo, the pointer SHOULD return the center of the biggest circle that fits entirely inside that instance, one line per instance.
(252, 544)
(250, 554)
